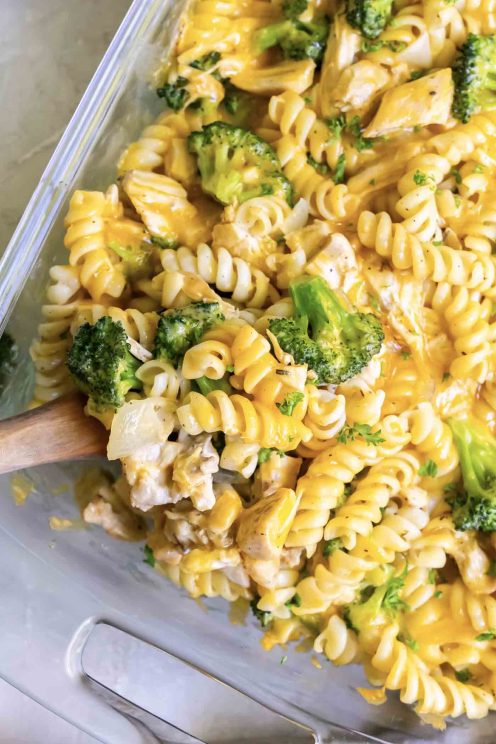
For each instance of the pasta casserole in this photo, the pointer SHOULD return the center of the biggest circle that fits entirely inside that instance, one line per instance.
(283, 311)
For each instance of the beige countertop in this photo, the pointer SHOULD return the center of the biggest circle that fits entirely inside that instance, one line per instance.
(49, 50)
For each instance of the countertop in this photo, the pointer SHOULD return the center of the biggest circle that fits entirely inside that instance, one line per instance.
(49, 50)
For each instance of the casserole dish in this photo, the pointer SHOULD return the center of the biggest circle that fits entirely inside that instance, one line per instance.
(63, 591)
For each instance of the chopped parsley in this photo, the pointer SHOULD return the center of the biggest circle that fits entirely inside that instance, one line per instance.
(364, 431)
(149, 557)
(432, 576)
(405, 354)
(164, 242)
(265, 453)
(488, 635)
(491, 571)
(264, 618)
(463, 675)
(456, 175)
(331, 545)
(420, 178)
(294, 601)
(338, 175)
(429, 469)
(377, 44)
(321, 168)
(289, 403)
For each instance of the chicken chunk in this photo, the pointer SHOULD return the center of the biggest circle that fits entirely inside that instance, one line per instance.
(416, 103)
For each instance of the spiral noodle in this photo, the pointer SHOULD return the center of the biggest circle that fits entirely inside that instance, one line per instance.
(339, 581)
(86, 242)
(49, 351)
(236, 415)
(475, 140)
(258, 373)
(432, 437)
(321, 488)
(206, 359)
(160, 379)
(466, 322)
(233, 276)
(324, 197)
(437, 540)
(425, 260)
(338, 642)
(207, 584)
(479, 610)
(401, 669)
(325, 417)
(364, 507)
(276, 598)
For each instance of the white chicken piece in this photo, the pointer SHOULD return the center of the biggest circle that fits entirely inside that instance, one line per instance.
(123, 525)
(193, 470)
(290, 74)
(149, 473)
(336, 263)
(417, 103)
(237, 239)
(107, 504)
(262, 532)
(279, 471)
(473, 564)
(342, 46)
(359, 85)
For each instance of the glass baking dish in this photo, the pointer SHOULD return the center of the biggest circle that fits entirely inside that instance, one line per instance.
(58, 587)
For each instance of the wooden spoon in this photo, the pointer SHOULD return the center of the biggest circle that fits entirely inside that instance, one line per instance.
(51, 433)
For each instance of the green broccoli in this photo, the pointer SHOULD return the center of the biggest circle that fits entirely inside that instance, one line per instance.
(8, 357)
(264, 617)
(183, 327)
(474, 77)
(175, 94)
(101, 363)
(206, 62)
(376, 605)
(235, 164)
(294, 8)
(339, 343)
(370, 17)
(474, 506)
(297, 40)
(137, 260)
(206, 385)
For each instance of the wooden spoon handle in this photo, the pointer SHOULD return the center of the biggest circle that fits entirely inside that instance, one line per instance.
(51, 433)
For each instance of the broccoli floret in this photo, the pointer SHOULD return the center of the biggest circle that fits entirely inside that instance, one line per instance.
(183, 327)
(101, 363)
(376, 605)
(8, 356)
(474, 506)
(294, 8)
(174, 94)
(264, 617)
(370, 17)
(335, 343)
(206, 385)
(474, 77)
(206, 62)
(235, 164)
(137, 259)
(297, 40)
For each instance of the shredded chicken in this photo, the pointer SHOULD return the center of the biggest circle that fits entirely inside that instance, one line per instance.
(473, 564)
(193, 470)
